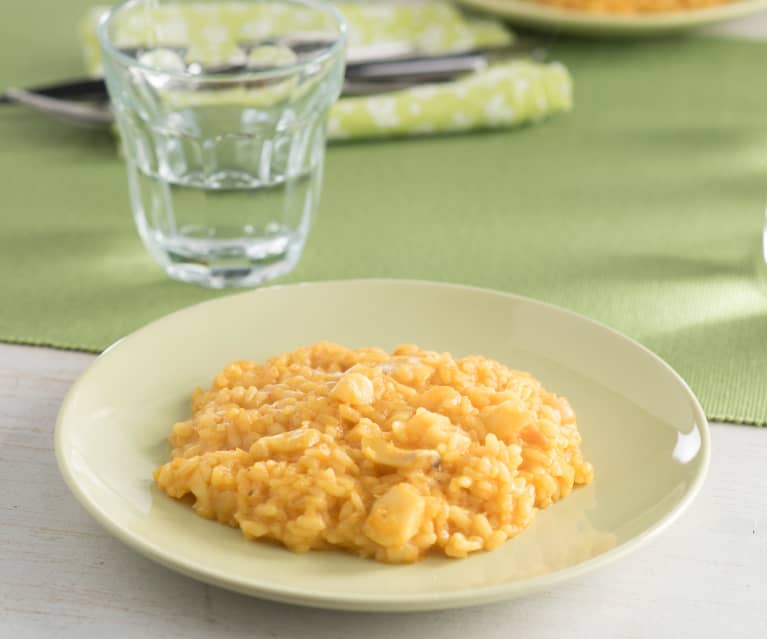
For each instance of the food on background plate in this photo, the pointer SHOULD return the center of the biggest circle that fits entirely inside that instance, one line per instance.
(632, 6)
(387, 456)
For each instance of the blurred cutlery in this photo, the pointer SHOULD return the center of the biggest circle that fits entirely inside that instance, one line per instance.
(85, 102)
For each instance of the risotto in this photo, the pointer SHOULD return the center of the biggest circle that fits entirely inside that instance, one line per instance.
(629, 7)
(387, 456)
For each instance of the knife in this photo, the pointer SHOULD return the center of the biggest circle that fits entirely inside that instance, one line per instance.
(85, 101)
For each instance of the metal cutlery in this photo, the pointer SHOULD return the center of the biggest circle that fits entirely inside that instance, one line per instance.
(85, 102)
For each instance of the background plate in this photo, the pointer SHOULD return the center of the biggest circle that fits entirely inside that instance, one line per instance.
(529, 13)
(642, 428)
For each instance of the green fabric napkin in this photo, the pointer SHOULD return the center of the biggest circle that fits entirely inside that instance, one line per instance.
(643, 208)
(507, 94)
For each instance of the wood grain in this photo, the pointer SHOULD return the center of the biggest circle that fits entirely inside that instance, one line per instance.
(63, 576)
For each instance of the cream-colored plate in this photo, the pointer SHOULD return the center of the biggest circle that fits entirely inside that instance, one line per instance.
(642, 428)
(532, 14)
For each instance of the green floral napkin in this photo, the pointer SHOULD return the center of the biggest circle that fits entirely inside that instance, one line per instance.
(504, 95)
(507, 94)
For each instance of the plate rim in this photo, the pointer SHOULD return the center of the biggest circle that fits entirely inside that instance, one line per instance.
(531, 13)
(386, 602)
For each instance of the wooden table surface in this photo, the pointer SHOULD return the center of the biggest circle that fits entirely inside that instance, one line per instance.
(61, 575)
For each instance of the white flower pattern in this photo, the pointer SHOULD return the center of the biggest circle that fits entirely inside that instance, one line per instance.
(383, 111)
(497, 111)
(216, 34)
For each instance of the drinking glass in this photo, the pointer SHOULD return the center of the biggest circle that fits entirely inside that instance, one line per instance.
(221, 109)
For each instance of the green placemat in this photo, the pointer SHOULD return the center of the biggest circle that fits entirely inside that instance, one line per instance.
(643, 208)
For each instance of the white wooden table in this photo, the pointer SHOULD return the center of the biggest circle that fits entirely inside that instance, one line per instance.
(61, 575)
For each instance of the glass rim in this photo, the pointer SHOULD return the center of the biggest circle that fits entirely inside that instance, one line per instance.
(108, 47)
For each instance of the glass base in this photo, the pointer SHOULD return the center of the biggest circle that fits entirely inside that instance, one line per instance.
(228, 263)
(231, 276)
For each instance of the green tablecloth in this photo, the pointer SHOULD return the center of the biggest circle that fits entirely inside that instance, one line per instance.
(643, 208)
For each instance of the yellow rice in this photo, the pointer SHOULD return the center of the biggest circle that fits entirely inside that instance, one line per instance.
(387, 456)
(632, 6)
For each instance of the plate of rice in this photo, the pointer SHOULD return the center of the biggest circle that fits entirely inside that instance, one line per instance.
(381, 444)
(617, 18)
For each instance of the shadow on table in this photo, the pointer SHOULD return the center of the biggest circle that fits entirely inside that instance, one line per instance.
(648, 267)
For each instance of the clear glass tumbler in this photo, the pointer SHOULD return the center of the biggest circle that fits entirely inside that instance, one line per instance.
(221, 108)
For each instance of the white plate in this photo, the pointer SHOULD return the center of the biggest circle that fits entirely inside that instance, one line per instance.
(642, 429)
(530, 13)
